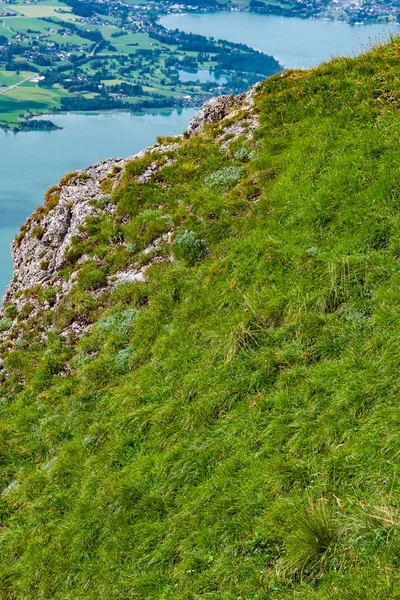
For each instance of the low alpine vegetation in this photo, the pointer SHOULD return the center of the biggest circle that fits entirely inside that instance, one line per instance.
(188, 247)
(225, 178)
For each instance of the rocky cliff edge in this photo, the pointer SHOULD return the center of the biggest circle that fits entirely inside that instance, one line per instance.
(41, 248)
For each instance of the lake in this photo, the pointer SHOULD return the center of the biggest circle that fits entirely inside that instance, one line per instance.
(296, 43)
(201, 75)
(31, 162)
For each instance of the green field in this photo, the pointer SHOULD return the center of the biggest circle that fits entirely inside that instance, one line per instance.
(10, 109)
(22, 24)
(5, 29)
(27, 98)
(41, 10)
(71, 39)
(122, 43)
(10, 77)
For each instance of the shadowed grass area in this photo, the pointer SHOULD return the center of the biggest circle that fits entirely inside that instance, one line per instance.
(229, 428)
(20, 100)
(12, 105)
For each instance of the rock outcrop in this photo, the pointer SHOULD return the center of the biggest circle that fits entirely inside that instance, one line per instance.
(218, 108)
(41, 248)
(212, 111)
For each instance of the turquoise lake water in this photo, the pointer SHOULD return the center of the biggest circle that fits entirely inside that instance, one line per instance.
(201, 75)
(296, 43)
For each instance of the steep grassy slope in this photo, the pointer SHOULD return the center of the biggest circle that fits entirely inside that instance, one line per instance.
(229, 427)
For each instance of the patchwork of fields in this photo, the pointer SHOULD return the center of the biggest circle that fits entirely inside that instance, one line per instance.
(114, 56)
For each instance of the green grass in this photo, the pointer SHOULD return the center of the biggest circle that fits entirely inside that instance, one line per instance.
(10, 109)
(5, 30)
(10, 77)
(27, 98)
(228, 429)
(39, 11)
(22, 24)
(121, 43)
(67, 40)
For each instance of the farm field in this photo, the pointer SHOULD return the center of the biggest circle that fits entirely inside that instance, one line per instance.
(27, 98)
(97, 56)
(8, 78)
(37, 11)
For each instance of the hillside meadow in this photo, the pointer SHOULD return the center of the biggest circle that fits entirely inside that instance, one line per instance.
(228, 428)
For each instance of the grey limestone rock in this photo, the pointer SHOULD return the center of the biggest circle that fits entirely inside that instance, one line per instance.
(37, 258)
(41, 249)
(218, 108)
(212, 111)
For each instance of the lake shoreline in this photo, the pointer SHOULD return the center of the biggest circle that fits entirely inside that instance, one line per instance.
(116, 111)
(296, 43)
(240, 10)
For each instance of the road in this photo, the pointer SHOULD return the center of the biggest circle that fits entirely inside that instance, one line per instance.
(5, 27)
(11, 87)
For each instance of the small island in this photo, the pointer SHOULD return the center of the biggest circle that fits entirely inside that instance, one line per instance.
(36, 125)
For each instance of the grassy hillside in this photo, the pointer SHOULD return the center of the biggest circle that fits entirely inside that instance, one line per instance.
(228, 428)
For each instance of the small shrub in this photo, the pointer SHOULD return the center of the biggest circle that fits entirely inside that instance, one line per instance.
(91, 277)
(244, 154)
(66, 180)
(102, 201)
(80, 359)
(122, 360)
(52, 198)
(38, 232)
(120, 322)
(77, 249)
(139, 165)
(313, 251)
(18, 238)
(188, 247)
(163, 140)
(148, 226)
(22, 232)
(83, 304)
(106, 185)
(224, 178)
(313, 546)
(131, 248)
(131, 293)
(10, 311)
(26, 310)
(5, 324)
(47, 294)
